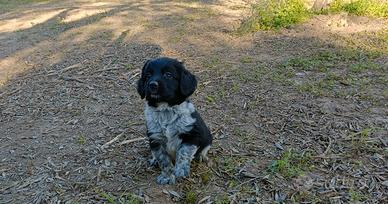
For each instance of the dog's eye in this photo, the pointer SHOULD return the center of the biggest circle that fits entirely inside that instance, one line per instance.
(168, 75)
(147, 75)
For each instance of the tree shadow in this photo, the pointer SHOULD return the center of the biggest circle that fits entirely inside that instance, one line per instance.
(52, 28)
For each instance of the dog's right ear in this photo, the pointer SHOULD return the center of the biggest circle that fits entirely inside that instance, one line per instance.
(141, 82)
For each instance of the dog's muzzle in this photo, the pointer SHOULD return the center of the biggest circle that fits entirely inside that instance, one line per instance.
(153, 86)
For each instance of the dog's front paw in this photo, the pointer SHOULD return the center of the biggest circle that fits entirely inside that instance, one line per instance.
(182, 171)
(165, 179)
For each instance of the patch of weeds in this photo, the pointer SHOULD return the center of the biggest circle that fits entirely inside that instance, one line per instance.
(333, 73)
(127, 198)
(311, 88)
(81, 140)
(360, 141)
(232, 183)
(377, 43)
(129, 66)
(212, 63)
(363, 66)
(282, 75)
(373, 8)
(221, 92)
(357, 196)
(305, 197)
(190, 197)
(321, 87)
(229, 164)
(210, 99)
(235, 87)
(246, 59)
(250, 74)
(385, 93)
(320, 61)
(274, 14)
(222, 200)
(291, 164)
(301, 63)
(242, 135)
(206, 177)
(363, 135)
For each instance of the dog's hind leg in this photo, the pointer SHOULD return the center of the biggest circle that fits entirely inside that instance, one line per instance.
(184, 156)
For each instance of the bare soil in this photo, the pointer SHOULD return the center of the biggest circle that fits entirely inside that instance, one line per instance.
(67, 87)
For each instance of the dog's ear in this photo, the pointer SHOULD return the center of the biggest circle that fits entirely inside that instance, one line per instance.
(187, 83)
(141, 82)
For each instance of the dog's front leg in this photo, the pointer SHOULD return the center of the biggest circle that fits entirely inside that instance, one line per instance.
(160, 154)
(184, 156)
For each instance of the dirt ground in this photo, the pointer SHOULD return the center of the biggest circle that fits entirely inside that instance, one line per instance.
(298, 115)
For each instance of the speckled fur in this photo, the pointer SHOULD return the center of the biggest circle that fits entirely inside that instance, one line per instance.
(177, 133)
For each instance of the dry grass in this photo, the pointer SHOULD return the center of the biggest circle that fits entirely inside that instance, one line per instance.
(298, 115)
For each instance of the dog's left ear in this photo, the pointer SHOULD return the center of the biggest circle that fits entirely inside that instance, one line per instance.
(141, 82)
(188, 82)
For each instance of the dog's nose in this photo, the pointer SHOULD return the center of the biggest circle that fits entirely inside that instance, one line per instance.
(153, 85)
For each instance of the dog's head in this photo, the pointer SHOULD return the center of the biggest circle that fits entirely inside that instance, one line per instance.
(165, 80)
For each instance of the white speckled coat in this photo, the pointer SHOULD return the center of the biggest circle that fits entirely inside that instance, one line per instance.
(166, 123)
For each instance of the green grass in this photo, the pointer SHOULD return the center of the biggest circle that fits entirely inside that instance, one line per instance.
(305, 197)
(372, 8)
(190, 197)
(363, 142)
(335, 73)
(291, 164)
(127, 198)
(357, 196)
(81, 140)
(274, 14)
(222, 200)
(246, 59)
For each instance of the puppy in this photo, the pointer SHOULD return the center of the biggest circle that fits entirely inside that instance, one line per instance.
(177, 134)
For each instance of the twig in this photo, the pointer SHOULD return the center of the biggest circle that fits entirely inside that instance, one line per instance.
(70, 67)
(328, 147)
(337, 156)
(132, 140)
(99, 174)
(4, 170)
(71, 79)
(103, 70)
(113, 140)
(216, 130)
(10, 93)
(245, 182)
(31, 182)
(53, 72)
(133, 76)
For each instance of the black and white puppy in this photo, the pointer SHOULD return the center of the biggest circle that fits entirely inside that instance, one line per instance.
(177, 134)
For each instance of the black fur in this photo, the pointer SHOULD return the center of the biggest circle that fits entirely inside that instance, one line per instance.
(174, 90)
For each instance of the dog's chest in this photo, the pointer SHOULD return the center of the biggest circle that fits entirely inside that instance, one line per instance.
(170, 122)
